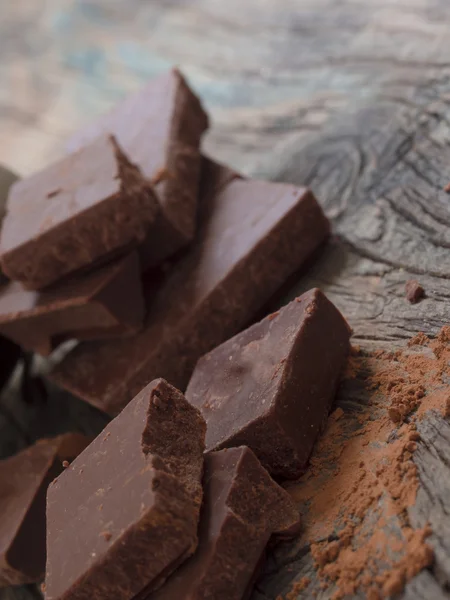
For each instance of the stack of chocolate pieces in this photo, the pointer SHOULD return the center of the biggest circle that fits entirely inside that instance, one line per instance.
(130, 517)
(149, 252)
(152, 256)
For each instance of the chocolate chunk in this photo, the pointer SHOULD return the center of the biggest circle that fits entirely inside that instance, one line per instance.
(252, 236)
(125, 513)
(160, 129)
(90, 205)
(242, 508)
(105, 303)
(24, 480)
(271, 386)
(414, 291)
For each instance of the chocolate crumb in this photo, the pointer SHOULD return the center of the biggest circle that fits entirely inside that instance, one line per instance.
(107, 535)
(447, 188)
(65, 464)
(394, 414)
(157, 401)
(414, 291)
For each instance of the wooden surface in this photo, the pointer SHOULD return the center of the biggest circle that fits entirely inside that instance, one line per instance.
(351, 97)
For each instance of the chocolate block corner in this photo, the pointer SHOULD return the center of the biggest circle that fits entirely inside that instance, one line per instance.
(124, 515)
(271, 386)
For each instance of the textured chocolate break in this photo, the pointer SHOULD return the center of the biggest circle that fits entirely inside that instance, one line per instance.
(242, 508)
(125, 513)
(86, 207)
(253, 235)
(105, 303)
(271, 386)
(24, 479)
(160, 129)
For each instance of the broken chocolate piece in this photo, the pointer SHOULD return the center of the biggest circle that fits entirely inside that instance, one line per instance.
(125, 513)
(414, 291)
(252, 236)
(242, 508)
(24, 481)
(87, 207)
(271, 386)
(105, 303)
(160, 129)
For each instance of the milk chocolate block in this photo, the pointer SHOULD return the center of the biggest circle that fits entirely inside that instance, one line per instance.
(271, 386)
(253, 235)
(125, 514)
(105, 303)
(24, 479)
(88, 206)
(242, 508)
(160, 129)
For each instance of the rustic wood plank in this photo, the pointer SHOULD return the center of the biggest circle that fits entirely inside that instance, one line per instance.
(381, 174)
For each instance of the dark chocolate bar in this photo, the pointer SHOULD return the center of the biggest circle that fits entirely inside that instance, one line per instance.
(160, 129)
(271, 386)
(252, 236)
(24, 479)
(124, 515)
(105, 303)
(88, 206)
(242, 508)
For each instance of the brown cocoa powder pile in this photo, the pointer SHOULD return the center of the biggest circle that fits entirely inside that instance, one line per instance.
(362, 478)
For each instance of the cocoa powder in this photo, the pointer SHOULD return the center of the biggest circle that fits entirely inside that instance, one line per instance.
(362, 478)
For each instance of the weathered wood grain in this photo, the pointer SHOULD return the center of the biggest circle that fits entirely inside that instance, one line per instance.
(267, 70)
(349, 97)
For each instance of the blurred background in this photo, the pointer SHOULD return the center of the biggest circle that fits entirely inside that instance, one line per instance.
(269, 71)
